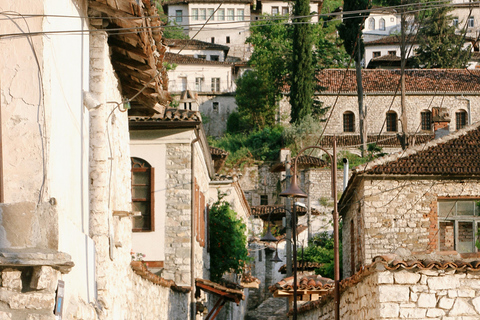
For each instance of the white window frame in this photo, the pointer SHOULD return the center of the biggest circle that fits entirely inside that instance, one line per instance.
(199, 84)
(195, 14)
(221, 14)
(471, 22)
(230, 14)
(178, 16)
(210, 14)
(203, 14)
(240, 14)
(215, 84)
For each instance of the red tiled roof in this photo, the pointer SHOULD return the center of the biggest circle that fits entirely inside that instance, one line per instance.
(389, 40)
(303, 161)
(454, 154)
(302, 266)
(311, 282)
(230, 292)
(218, 152)
(181, 59)
(139, 268)
(387, 57)
(264, 210)
(168, 2)
(194, 44)
(384, 140)
(388, 81)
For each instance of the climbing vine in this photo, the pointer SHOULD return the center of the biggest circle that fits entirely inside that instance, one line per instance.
(228, 240)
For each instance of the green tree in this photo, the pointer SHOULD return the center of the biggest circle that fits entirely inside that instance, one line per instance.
(439, 46)
(320, 250)
(171, 29)
(351, 33)
(228, 240)
(302, 79)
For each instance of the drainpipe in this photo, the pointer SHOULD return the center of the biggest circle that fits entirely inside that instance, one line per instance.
(192, 224)
(468, 107)
(345, 173)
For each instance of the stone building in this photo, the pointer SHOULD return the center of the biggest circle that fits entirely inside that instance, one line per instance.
(410, 225)
(452, 95)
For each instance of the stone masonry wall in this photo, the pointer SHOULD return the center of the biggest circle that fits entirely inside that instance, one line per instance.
(407, 294)
(178, 219)
(401, 214)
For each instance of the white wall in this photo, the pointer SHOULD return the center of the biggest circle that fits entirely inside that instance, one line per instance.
(267, 7)
(205, 71)
(384, 49)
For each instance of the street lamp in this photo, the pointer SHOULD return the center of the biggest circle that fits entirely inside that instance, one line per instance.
(294, 191)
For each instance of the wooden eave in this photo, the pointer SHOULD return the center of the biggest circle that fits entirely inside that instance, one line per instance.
(137, 51)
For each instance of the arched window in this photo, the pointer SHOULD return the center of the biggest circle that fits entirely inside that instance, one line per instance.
(381, 24)
(349, 122)
(461, 119)
(142, 194)
(426, 119)
(371, 24)
(391, 121)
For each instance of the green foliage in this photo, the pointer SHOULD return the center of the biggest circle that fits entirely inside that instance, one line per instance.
(350, 30)
(171, 29)
(258, 145)
(256, 99)
(228, 241)
(320, 250)
(439, 46)
(235, 123)
(302, 80)
(302, 134)
(373, 152)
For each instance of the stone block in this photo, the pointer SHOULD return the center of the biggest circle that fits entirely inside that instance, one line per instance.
(12, 279)
(389, 310)
(452, 293)
(444, 282)
(44, 278)
(393, 293)
(385, 277)
(5, 315)
(462, 308)
(37, 301)
(435, 313)
(445, 303)
(476, 304)
(40, 317)
(427, 300)
(412, 313)
(405, 277)
(466, 293)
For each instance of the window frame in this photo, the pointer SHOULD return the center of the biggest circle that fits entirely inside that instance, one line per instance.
(426, 120)
(210, 14)
(381, 24)
(371, 24)
(391, 124)
(141, 165)
(240, 14)
(215, 84)
(264, 200)
(348, 121)
(455, 219)
(285, 11)
(178, 18)
(461, 119)
(199, 84)
(376, 54)
(471, 22)
(195, 14)
(277, 11)
(202, 14)
(230, 14)
(221, 14)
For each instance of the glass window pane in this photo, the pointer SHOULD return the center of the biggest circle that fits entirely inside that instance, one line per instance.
(143, 221)
(221, 14)
(141, 178)
(141, 192)
(465, 237)
(447, 236)
(446, 208)
(465, 208)
(210, 14)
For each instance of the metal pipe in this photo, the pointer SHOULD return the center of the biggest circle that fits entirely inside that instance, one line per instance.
(294, 235)
(336, 232)
(345, 173)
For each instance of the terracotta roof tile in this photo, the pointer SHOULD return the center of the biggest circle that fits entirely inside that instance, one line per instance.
(387, 81)
(182, 59)
(263, 211)
(387, 57)
(303, 161)
(302, 266)
(310, 282)
(171, 114)
(384, 140)
(167, 2)
(388, 40)
(193, 44)
(218, 152)
(139, 268)
(228, 290)
(454, 154)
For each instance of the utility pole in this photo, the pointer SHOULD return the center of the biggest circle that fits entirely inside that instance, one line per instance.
(403, 49)
(288, 218)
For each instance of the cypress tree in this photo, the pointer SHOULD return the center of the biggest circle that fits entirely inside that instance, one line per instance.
(302, 76)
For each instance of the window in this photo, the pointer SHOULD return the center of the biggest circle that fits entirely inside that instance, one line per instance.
(274, 11)
(458, 222)
(240, 14)
(215, 84)
(471, 22)
(230, 14)
(203, 14)
(381, 24)
(227, 39)
(284, 11)
(183, 81)
(461, 119)
(198, 84)
(202, 56)
(214, 58)
(376, 54)
(426, 118)
(212, 39)
(455, 22)
(392, 19)
(195, 14)
(178, 16)
(215, 106)
(392, 53)
(263, 200)
(221, 14)
(210, 14)
(142, 194)
(371, 24)
(391, 121)
(348, 122)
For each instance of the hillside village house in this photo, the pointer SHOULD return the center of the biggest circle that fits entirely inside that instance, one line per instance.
(436, 99)
(410, 223)
(284, 8)
(380, 23)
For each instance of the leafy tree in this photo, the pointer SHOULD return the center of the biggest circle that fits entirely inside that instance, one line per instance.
(302, 77)
(320, 250)
(256, 99)
(351, 33)
(228, 240)
(302, 133)
(439, 46)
